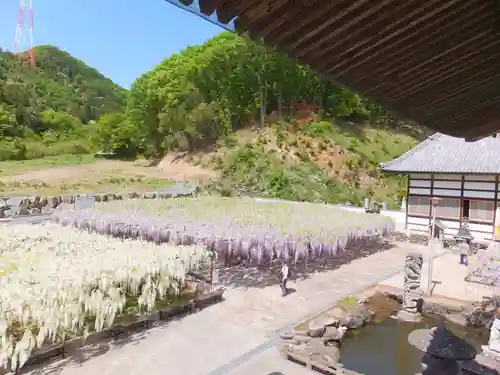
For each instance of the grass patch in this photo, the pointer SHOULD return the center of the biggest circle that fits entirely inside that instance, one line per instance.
(254, 170)
(331, 161)
(87, 176)
(112, 184)
(16, 167)
(347, 303)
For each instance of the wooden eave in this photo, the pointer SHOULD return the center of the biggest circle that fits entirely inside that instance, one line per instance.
(436, 62)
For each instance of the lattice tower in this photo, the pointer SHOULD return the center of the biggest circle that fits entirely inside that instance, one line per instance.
(24, 41)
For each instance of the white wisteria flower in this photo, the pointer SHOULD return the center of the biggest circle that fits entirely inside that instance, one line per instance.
(53, 277)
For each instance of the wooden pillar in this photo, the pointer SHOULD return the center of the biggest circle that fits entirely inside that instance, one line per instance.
(430, 200)
(495, 204)
(462, 201)
(407, 200)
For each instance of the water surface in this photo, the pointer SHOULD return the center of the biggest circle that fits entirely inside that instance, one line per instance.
(383, 348)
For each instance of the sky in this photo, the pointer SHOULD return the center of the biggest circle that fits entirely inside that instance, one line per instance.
(121, 38)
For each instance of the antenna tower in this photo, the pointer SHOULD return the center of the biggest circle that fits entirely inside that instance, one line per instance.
(24, 41)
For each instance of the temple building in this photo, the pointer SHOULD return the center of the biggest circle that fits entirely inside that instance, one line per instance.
(464, 176)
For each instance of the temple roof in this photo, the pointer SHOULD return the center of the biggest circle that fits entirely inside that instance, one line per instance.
(442, 153)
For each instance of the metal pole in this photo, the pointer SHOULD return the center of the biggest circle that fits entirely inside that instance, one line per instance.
(431, 250)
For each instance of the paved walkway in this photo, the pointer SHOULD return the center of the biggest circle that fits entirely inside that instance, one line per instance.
(448, 277)
(237, 336)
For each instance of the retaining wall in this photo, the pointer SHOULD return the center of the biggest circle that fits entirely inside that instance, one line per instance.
(15, 206)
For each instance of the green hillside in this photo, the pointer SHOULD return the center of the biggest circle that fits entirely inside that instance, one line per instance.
(205, 96)
(48, 104)
(264, 124)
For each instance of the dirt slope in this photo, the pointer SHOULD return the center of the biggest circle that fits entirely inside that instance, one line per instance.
(178, 167)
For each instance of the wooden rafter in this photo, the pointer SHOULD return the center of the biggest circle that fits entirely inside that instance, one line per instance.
(435, 61)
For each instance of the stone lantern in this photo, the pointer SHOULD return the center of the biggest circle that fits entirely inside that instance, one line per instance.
(442, 350)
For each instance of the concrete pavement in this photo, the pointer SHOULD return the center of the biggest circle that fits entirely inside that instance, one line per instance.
(448, 278)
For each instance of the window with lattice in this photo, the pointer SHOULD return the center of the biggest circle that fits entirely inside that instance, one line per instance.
(448, 208)
(418, 206)
(483, 211)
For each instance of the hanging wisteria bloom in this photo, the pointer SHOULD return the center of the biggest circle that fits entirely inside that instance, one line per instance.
(52, 277)
(257, 230)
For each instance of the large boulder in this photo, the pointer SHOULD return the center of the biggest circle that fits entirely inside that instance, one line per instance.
(53, 202)
(483, 312)
(43, 202)
(316, 328)
(24, 207)
(354, 318)
(339, 314)
(334, 334)
(358, 317)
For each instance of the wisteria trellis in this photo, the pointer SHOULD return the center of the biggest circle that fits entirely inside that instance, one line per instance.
(52, 278)
(256, 230)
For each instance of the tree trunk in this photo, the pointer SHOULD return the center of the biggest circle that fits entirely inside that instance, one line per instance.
(190, 141)
(265, 99)
(279, 105)
(157, 140)
(261, 107)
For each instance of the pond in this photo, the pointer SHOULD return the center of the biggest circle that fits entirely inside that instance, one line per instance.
(383, 348)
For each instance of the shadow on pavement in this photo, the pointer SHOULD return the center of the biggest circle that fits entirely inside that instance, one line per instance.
(75, 357)
(251, 276)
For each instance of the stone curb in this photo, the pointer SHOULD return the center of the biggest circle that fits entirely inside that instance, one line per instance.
(435, 304)
(31, 206)
(141, 322)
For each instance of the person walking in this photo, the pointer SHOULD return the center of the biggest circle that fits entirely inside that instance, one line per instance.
(285, 274)
(465, 250)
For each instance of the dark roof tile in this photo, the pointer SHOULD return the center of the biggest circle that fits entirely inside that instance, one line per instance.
(441, 153)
